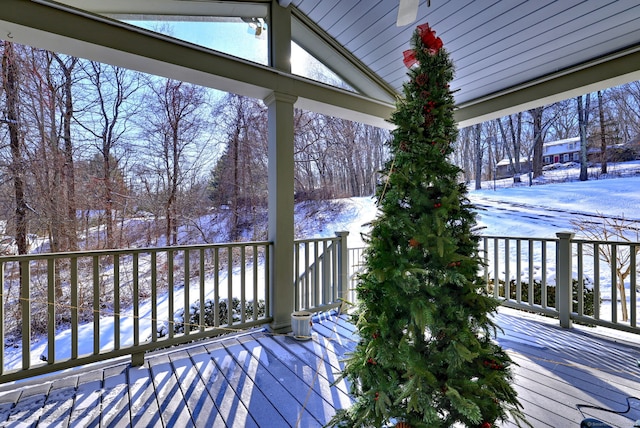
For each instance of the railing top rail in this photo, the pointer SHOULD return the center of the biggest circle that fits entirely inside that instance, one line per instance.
(106, 252)
(605, 242)
(309, 240)
(518, 238)
(574, 240)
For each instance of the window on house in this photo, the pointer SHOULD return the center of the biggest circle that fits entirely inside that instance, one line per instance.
(576, 157)
(572, 146)
(546, 159)
(565, 157)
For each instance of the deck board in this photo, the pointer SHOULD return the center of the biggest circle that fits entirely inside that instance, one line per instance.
(258, 379)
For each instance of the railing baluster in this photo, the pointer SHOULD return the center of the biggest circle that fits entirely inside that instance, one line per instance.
(171, 301)
(518, 270)
(485, 261)
(96, 304)
(242, 284)
(297, 296)
(230, 285)
(543, 279)
(25, 296)
(202, 277)
(267, 279)
(51, 309)
(116, 301)
(532, 285)
(580, 285)
(216, 286)
(317, 258)
(614, 283)
(335, 290)
(496, 270)
(154, 295)
(596, 281)
(255, 283)
(136, 299)
(507, 273)
(74, 308)
(187, 284)
(633, 248)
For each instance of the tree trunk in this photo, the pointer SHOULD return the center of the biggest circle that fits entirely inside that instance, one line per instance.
(603, 139)
(68, 170)
(538, 141)
(478, 148)
(583, 119)
(10, 67)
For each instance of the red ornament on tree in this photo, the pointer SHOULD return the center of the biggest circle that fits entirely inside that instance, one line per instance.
(485, 425)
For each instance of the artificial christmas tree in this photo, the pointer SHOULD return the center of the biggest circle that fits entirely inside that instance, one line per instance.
(426, 356)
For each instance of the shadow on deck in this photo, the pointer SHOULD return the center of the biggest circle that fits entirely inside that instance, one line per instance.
(256, 379)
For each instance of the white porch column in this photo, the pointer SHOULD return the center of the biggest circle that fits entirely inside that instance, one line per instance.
(280, 186)
(281, 173)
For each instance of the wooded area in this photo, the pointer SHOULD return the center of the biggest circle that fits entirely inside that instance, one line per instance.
(86, 146)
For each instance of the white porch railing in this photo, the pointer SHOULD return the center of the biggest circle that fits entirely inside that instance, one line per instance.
(62, 310)
(321, 281)
(69, 309)
(586, 281)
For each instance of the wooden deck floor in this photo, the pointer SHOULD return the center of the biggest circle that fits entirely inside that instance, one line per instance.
(261, 380)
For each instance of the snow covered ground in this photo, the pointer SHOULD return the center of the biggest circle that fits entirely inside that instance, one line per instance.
(537, 211)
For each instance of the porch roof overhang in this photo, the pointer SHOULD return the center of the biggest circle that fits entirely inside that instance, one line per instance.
(510, 56)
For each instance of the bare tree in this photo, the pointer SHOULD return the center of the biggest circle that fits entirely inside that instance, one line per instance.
(10, 82)
(239, 181)
(479, 150)
(626, 99)
(603, 139)
(563, 122)
(464, 153)
(67, 65)
(538, 141)
(176, 142)
(107, 118)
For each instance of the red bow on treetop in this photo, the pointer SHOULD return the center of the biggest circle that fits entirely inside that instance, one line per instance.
(432, 44)
(428, 37)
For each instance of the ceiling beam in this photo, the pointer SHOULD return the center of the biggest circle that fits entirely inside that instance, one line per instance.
(309, 36)
(599, 74)
(82, 34)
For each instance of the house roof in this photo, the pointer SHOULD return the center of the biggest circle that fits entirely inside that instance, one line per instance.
(509, 55)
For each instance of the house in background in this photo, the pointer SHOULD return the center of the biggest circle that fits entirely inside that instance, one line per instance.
(561, 151)
(568, 150)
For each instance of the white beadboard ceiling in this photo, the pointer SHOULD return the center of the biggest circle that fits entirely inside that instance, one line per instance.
(497, 46)
(509, 54)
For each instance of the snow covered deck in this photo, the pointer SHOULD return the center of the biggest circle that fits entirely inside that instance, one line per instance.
(258, 379)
